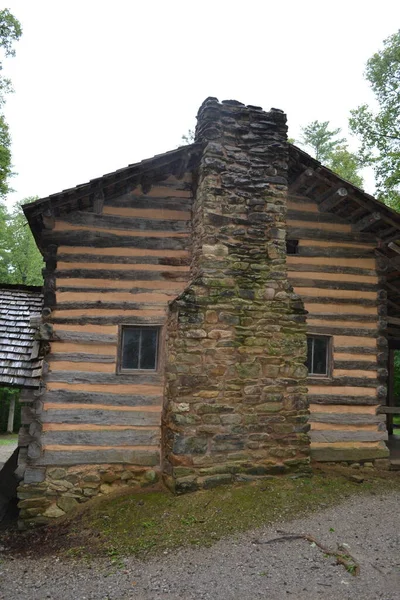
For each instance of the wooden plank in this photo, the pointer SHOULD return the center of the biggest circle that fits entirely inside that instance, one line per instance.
(311, 227)
(110, 398)
(299, 268)
(362, 382)
(114, 223)
(83, 337)
(310, 218)
(361, 321)
(343, 331)
(105, 239)
(79, 357)
(347, 436)
(367, 221)
(346, 418)
(345, 400)
(344, 408)
(337, 294)
(315, 307)
(121, 437)
(295, 232)
(389, 410)
(94, 277)
(118, 320)
(158, 213)
(115, 387)
(337, 277)
(333, 198)
(97, 456)
(345, 390)
(330, 252)
(102, 417)
(115, 253)
(74, 377)
(354, 364)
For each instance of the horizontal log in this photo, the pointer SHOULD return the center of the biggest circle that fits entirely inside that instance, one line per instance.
(150, 378)
(389, 410)
(81, 357)
(121, 437)
(331, 252)
(315, 217)
(134, 275)
(124, 223)
(102, 417)
(112, 399)
(332, 285)
(355, 364)
(347, 436)
(107, 305)
(329, 300)
(104, 239)
(299, 267)
(341, 316)
(346, 418)
(295, 233)
(343, 400)
(162, 261)
(353, 454)
(331, 330)
(352, 349)
(111, 320)
(84, 338)
(343, 381)
(147, 458)
(151, 202)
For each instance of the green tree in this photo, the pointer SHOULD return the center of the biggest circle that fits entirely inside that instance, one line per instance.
(320, 139)
(332, 151)
(20, 260)
(10, 32)
(379, 131)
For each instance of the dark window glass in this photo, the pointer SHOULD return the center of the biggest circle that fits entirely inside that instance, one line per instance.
(317, 355)
(292, 246)
(139, 348)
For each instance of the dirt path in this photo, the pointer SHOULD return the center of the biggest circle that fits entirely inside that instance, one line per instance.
(241, 568)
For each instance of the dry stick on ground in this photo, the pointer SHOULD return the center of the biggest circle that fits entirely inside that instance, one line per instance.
(342, 556)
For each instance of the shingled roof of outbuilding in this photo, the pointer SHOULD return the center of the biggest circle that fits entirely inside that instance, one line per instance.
(20, 364)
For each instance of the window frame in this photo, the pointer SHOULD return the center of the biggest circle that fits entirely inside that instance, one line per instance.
(329, 356)
(124, 371)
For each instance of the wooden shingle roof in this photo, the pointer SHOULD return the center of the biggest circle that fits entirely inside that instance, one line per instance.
(20, 365)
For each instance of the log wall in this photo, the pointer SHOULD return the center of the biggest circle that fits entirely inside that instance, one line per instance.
(122, 266)
(336, 274)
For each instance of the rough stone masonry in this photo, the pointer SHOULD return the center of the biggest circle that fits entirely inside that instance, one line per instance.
(236, 396)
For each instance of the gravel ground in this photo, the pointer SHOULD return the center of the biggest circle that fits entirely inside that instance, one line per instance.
(237, 568)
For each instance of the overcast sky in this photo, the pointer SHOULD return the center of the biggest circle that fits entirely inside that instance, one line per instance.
(101, 84)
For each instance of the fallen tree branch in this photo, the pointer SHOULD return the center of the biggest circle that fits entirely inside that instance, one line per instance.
(342, 555)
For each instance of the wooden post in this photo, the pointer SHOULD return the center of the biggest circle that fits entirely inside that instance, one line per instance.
(11, 412)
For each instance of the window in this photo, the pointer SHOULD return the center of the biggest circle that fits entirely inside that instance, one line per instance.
(318, 355)
(138, 348)
(292, 246)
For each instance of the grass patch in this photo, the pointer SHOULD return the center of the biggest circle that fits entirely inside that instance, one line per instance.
(8, 438)
(146, 524)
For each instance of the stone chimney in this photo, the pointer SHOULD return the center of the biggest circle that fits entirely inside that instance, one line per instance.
(236, 396)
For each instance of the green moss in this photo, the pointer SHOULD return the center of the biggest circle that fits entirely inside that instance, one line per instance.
(203, 517)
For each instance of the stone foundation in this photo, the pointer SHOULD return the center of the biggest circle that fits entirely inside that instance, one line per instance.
(59, 490)
(236, 396)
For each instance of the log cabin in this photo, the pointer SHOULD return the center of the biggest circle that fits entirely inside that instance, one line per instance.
(222, 312)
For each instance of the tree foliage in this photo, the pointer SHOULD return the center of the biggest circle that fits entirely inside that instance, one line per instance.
(20, 259)
(379, 130)
(10, 32)
(332, 151)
